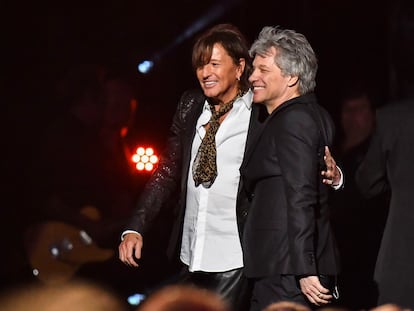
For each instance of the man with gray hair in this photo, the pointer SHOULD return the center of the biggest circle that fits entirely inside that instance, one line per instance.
(296, 258)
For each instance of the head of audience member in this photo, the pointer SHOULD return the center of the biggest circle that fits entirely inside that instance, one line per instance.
(222, 63)
(388, 307)
(98, 97)
(120, 105)
(284, 66)
(357, 116)
(78, 92)
(286, 306)
(183, 298)
(334, 308)
(72, 296)
(86, 106)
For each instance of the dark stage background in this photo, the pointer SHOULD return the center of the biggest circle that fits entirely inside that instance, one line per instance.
(44, 40)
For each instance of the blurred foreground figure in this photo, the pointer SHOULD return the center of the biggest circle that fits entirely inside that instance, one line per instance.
(71, 296)
(183, 298)
(286, 306)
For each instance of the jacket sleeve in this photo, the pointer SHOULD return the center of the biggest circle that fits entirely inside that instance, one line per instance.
(165, 181)
(297, 148)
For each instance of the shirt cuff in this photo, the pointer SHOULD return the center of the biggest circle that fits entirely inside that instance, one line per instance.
(341, 180)
(128, 231)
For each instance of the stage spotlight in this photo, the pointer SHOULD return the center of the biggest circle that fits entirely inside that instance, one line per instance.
(145, 159)
(136, 299)
(145, 66)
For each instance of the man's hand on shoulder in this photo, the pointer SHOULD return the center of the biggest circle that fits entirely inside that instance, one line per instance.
(332, 175)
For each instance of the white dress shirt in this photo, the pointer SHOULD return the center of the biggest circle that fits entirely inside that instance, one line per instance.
(210, 239)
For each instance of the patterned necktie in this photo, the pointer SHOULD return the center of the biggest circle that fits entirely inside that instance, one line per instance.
(205, 166)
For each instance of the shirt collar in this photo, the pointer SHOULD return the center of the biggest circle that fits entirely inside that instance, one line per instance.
(246, 99)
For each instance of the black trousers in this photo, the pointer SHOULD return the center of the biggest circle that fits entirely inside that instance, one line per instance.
(283, 288)
(232, 285)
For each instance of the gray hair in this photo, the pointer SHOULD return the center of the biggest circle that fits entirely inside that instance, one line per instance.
(295, 55)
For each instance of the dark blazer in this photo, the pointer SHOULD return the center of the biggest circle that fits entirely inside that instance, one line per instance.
(287, 229)
(170, 177)
(388, 164)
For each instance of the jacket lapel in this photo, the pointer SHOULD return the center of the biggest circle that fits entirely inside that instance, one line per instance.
(256, 126)
(258, 123)
(191, 118)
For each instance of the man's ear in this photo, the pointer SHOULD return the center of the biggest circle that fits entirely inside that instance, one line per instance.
(293, 80)
(242, 65)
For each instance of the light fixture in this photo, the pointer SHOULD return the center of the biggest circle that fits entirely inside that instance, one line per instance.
(145, 159)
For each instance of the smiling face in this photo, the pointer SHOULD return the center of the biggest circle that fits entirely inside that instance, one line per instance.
(219, 77)
(269, 85)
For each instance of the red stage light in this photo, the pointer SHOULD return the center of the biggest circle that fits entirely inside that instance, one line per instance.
(145, 159)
